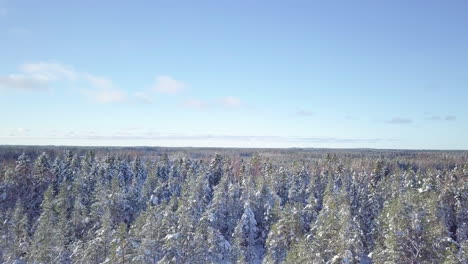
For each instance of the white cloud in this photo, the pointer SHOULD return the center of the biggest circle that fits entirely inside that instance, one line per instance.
(99, 82)
(20, 132)
(23, 82)
(41, 75)
(168, 85)
(106, 95)
(51, 71)
(105, 91)
(36, 76)
(195, 104)
(231, 102)
(23, 130)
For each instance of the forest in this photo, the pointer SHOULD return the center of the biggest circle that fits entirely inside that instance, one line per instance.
(191, 205)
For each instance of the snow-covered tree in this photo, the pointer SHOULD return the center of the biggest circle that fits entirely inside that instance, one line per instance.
(410, 230)
(245, 238)
(291, 206)
(283, 234)
(121, 249)
(18, 244)
(98, 248)
(45, 248)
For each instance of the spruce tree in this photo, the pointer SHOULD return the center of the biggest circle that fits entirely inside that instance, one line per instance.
(245, 238)
(44, 245)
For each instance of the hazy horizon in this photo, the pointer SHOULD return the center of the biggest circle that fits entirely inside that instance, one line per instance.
(229, 147)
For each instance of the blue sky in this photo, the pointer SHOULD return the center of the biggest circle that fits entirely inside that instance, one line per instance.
(374, 74)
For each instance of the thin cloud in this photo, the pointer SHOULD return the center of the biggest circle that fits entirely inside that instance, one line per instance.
(141, 134)
(105, 91)
(37, 76)
(434, 118)
(106, 95)
(142, 97)
(145, 136)
(350, 117)
(304, 113)
(41, 74)
(50, 70)
(168, 85)
(98, 82)
(195, 104)
(20, 132)
(450, 118)
(226, 102)
(231, 102)
(23, 130)
(440, 118)
(399, 120)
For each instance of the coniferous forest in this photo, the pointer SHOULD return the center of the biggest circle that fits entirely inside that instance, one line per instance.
(153, 205)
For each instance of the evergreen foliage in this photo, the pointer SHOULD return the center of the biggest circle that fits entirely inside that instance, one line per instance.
(112, 207)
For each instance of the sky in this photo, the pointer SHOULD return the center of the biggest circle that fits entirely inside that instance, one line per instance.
(309, 74)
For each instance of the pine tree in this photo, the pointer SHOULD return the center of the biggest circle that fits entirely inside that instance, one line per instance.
(120, 246)
(335, 235)
(42, 169)
(63, 207)
(44, 246)
(362, 208)
(41, 178)
(224, 210)
(139, 173)
(98, 248)
(150, 249)
(410, 230)
(148, 187)
(67, 167)
(283, 234)
(299, 184)
(282, 185)
(23, 165)
(219, 248)
(19, 240)
(21, 183)
(245, 238)
(215, 170)
(78, 219)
